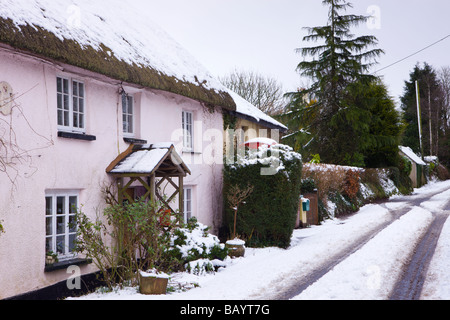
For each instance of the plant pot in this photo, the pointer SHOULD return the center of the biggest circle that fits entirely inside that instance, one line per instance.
(236, 248)
(150, 283)
(49, 260)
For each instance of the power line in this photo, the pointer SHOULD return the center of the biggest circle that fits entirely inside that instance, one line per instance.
(447, 36)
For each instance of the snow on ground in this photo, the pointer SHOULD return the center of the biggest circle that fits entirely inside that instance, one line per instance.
(437, 282)
(369, 273)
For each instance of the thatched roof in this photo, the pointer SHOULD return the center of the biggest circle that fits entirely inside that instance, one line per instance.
(115, 39)
(35, 26)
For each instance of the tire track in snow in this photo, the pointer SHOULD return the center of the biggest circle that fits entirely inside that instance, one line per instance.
(371, 272)
(409, 286)
(307, 280)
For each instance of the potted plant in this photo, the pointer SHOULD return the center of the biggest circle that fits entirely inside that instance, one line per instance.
(153, 282)
(236, 197)
(51, 257)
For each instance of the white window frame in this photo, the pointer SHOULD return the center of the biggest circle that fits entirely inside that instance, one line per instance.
(128, 115)
(71, 106)
(187, 203)
(188, 130)
(57, 224)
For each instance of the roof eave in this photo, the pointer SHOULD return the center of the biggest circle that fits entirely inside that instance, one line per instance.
(41, 42)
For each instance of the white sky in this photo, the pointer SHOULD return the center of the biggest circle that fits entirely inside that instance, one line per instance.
(262, 35)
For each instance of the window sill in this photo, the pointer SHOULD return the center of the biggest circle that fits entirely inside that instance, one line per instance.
(134, 140)
(66, 263)
(190, 152)
(77, 136)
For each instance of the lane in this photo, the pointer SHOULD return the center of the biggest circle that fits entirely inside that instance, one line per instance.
(409, 286)
(408, 203)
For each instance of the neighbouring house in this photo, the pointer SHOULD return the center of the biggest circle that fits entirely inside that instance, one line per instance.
(247, 123)
(96, 98)
(417, 174)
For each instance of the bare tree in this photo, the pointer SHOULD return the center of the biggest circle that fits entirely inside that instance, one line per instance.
(263, 92)
(235, 197)
(443, 75)
(444, 78)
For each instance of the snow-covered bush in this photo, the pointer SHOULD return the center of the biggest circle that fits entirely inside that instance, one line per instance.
(193, 245)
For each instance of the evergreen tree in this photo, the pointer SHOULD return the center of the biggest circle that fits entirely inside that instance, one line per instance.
(340, 60)
(380, 130)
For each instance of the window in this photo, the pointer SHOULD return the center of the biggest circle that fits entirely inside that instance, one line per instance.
(127, 114)
(60, 210)
(187, 203)
(70, 104)
(187, 121)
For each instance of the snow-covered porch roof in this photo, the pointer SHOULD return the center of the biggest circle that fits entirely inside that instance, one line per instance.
(145, 163)
(160, 159)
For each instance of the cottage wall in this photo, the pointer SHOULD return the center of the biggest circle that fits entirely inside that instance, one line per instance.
(41, 161)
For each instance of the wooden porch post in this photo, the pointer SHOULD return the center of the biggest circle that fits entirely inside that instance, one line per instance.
(120, 190)
(152, 187)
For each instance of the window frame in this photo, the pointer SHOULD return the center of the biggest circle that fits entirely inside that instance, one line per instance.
(187, 203)
(52, 230)
(72, 107)
(187, 124)
(128, 117)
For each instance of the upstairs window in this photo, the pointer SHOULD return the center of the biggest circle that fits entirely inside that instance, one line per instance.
(70, 104)
(127, 115)
(187, 124)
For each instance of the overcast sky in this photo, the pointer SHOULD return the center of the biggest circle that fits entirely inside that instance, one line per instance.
(262, 35)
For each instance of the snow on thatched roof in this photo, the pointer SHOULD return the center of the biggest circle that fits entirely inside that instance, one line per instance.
(111, 38)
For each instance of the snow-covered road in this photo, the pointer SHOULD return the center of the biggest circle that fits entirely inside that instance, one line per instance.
(391, 231)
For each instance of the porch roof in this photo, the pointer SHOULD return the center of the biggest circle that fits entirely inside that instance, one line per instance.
(160, 159)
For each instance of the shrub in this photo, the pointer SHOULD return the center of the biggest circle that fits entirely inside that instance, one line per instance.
(404, 165)
(193, 243)
(268, 216)
(327, 178)
(350, 186)
(308, 185)
(131, 239)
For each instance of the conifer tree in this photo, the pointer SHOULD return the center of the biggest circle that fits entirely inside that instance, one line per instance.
(339, 60)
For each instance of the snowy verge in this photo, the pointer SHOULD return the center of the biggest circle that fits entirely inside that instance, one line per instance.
(371, 272)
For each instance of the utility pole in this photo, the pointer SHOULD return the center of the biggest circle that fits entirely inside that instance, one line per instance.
(418, 117)
(429, 119)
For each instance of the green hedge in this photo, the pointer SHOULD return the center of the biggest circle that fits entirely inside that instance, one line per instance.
(268, 216)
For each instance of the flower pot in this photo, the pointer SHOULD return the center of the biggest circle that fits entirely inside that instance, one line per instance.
(236, 248)
(150, 283)
(50, 260)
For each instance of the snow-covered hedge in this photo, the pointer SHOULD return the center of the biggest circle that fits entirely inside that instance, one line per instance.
(268, 216)
(344, 189)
